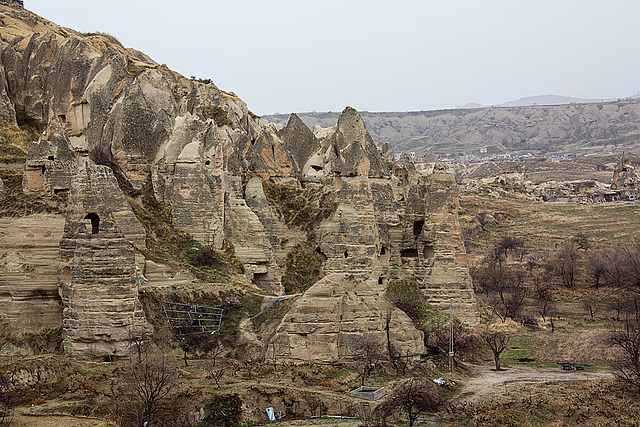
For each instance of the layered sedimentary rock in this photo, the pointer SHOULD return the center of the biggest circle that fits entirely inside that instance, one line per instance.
(199, 151)
(97, 273)
(29, 249)
(327, 324)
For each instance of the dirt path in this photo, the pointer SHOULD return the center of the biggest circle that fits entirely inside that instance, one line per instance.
(488, 383)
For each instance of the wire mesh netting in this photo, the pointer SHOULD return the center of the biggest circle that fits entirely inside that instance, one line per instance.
(190, 319)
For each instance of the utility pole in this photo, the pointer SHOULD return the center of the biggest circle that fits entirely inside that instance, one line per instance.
(451, 353)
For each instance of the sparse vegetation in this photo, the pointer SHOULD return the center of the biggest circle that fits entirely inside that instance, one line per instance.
(16, 203)
(14, 142)
(303, 267)
(217, 113)
(413, 398)
(302, 208)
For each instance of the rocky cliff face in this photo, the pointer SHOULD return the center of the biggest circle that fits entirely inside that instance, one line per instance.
(117, 121)
(97, 272)
(326, 324)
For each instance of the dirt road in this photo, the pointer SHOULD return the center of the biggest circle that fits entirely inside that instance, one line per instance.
(487, 383)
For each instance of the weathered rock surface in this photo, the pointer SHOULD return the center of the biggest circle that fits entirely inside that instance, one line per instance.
(97, 272)
(51, 164)
(29, 249)
(201, 153)
(325, 324)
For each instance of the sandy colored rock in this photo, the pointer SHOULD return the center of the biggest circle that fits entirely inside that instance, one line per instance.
(97, 273)
(29, 249)
(324, 324)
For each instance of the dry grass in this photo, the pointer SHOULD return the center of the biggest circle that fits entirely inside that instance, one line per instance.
(543, 224)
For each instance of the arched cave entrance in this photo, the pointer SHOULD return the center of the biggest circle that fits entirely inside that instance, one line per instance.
(93, 220)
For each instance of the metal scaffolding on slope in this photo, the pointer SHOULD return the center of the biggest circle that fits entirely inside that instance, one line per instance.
(192, 319)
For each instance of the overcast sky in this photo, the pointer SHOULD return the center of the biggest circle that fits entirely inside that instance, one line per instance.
(283, 56)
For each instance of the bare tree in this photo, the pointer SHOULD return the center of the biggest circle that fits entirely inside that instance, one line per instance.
(582, 241)
(565, 264)
(596, 266)
(509, 243)
(277, 347)
(628, 340)
(369, 349)
(215, 372)
(150, 380)
(628, 263)
(591, 304)
(413, 397)
(492, 275)
(497, 342)
(543, 295)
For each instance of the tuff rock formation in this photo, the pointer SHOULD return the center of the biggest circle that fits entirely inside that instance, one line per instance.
(327, 323)
(97, 273)
(121, 127)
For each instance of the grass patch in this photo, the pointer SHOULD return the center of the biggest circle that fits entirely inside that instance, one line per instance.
(406, 296)
(519, 347)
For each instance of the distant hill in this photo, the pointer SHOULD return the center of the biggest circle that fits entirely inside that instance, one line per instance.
(540, 100)
(537, 129)
(550, 100)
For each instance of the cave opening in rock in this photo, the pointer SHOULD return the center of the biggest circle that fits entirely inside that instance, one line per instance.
(260, 277)
(93, 220)
(428, 252)
(409, 253)
(321, 254)
(384, 255)
(346, 254)
(417, 227)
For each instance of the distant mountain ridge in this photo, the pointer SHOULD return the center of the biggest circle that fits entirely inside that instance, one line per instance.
(539, 100)
(567, 128)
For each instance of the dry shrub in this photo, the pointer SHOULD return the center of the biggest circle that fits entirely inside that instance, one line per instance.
(225, 410)
(206, 257)
(329, 384)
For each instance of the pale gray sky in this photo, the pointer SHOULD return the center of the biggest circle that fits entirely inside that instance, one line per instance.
(283, 56)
